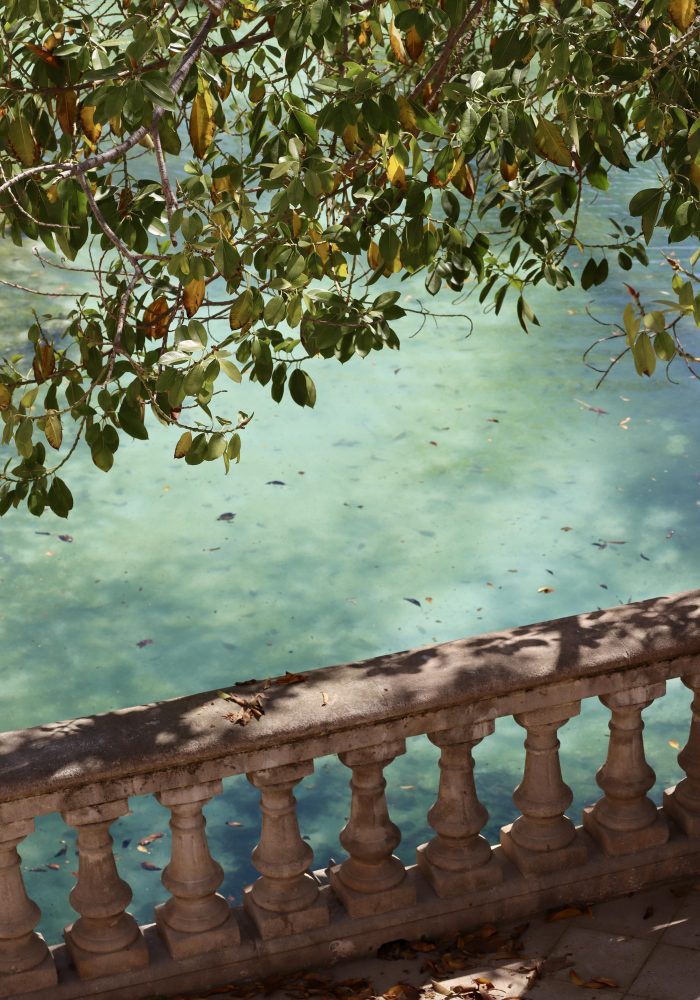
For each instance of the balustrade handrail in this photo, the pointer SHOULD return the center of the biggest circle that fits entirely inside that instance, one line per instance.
(332, 703)
(273, 730)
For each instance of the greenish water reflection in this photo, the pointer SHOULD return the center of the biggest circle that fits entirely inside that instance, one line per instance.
(443, 473)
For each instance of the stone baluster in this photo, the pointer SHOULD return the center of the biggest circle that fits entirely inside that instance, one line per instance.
(105, 939)
(372, 879)
(543, 838)
(682, 803)
(196, 918)
(285, 899)
(625, 820)
(458, 859)
(25, 962)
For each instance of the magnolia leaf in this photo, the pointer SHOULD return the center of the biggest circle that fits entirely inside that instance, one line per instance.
(407, 116)
(396, 42)
(550, 143)
(202, 124)
(22, 143)
(5, 396)
(91, 129)
(241, 310)
(183, 445)
(682, 13)
(66, 111)
(644, 355)
(156, 319)
(53, 429)
(463, 180)
(228, 368)
(193, 296)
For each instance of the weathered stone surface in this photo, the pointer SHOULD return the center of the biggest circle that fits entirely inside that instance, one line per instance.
(660, 637)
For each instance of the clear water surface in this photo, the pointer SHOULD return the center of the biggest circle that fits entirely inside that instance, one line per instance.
(445, 473)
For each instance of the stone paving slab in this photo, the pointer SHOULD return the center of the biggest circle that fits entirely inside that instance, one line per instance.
(645, 946)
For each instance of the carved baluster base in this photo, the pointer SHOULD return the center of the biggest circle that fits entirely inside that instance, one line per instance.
(92, 964)
(688, 821)
(616, 842)
(185, 945)
(272, 924)
(364, 904)
(534, 863)
(42, 976)
(458, 883)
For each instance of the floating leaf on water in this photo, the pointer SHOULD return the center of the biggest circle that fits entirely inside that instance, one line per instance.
(566, 528)
(144, 642)
(675, 744)
(66, 538)
(642, 556)
(125, 843)
(62, 850)
(150, 839)
(545, 590)
(226, 516)
(54, 867)
(275, 482)
(413, 600)
(233, 822)
(149, 867)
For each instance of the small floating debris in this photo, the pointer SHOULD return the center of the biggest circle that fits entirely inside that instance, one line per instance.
(228, 515)
(545, 590)
(413, 600)
(275, 482)
(66, 538)
(144, 642)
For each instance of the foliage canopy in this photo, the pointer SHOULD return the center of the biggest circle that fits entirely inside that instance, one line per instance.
(267, 162)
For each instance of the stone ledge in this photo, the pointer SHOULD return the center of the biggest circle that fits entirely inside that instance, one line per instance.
(332, 710)
(515, 897)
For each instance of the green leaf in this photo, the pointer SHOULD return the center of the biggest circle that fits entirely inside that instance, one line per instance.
(664, 346)
(228, 368)
(60, 498)
(297, 387)
(307, 123)
(644, 355)
(131, 421)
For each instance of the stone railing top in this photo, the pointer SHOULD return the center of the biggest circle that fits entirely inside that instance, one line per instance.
(184, 732)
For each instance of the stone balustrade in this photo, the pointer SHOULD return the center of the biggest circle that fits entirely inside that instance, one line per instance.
(180, 750)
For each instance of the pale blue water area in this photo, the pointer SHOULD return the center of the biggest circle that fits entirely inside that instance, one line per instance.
(445, 473)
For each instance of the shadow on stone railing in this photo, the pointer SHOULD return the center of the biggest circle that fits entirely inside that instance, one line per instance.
(180, 750)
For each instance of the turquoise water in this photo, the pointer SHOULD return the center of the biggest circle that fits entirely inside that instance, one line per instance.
(443, 473)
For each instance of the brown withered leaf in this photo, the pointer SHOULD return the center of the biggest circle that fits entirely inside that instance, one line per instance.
(91, 129)
(66, 111)
(289, 678)
(396, 42)
(402, 991)
(156, 319)
(150, 839)
(193, 296)
(44, 362)
(414, 44)
(567, 912)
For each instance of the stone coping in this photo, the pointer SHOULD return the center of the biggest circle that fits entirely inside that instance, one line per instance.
(331, 706)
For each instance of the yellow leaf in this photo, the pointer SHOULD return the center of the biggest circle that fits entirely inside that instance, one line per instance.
(66, 105)
(576, 979)
(414, 44)
(350, 137)
(695, 176)
(5, 396)
(183, 445)
(296, 224)
(682, 13)
(373, 256)
(396, 42)
(53, 429)
(91, 130)
(395, 172)
(674, 744)
(22, 142)
(364, 34)
(407, 115)
(193, 296)
(550, 143)
(202, 124)
(225, 87)
(53, 38)
(156, 319)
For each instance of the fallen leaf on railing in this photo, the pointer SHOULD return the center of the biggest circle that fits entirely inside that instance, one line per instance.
(233, 822)
(569, 911)
(486, 983)
(149, 867)
(422, 946)
(324, 699)
(288, 678)
(251, 708)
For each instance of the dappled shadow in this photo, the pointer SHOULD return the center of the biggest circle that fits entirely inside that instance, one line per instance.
(185, 732)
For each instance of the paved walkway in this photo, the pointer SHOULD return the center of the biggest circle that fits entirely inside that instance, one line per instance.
(643, 947)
